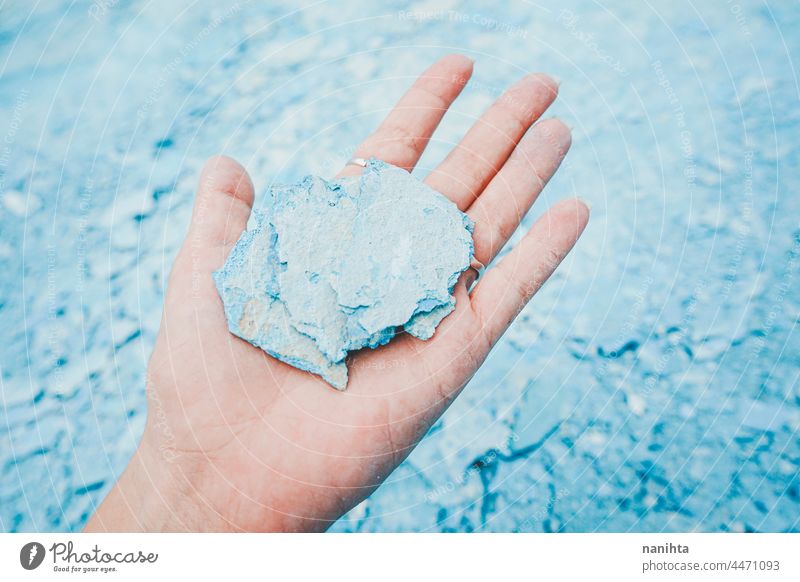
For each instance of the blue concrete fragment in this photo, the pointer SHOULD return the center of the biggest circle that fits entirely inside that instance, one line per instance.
(334, 266)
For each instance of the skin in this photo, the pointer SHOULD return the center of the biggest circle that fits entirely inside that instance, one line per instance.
(238, 441)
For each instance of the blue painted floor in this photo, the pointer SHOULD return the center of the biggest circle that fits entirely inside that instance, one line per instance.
(651, 386)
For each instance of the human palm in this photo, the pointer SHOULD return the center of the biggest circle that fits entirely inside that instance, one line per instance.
(237, 440)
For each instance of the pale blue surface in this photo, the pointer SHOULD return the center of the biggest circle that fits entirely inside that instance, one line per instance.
(652, 385)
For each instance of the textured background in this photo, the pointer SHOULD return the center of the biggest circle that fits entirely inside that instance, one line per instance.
(651, 386)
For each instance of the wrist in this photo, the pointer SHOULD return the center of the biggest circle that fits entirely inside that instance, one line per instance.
(152, 495)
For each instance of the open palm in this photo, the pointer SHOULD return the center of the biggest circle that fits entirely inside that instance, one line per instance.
(236, 440)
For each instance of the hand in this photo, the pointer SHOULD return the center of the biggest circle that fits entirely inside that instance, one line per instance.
(236, 440)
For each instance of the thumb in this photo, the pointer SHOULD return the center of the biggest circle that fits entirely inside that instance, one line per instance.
(224, 200)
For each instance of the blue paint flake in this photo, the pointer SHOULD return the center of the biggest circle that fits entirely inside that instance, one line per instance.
(336, 266)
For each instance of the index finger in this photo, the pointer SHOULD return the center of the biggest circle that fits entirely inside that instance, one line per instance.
(403, 135)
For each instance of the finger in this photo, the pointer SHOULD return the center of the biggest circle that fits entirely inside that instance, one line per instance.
(221, 209)
(403, 135)
(465, 172)
(505, 289)
(222, 206)
(508, 197)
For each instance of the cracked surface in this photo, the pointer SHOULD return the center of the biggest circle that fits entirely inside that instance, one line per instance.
(663, 371)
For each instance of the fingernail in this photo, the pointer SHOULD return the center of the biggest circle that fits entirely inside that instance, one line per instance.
(470, 276)
(569, 126)
(585, 202)
(461, 56)
(557, 80)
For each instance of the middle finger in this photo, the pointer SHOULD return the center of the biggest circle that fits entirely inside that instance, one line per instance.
(467, 170)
